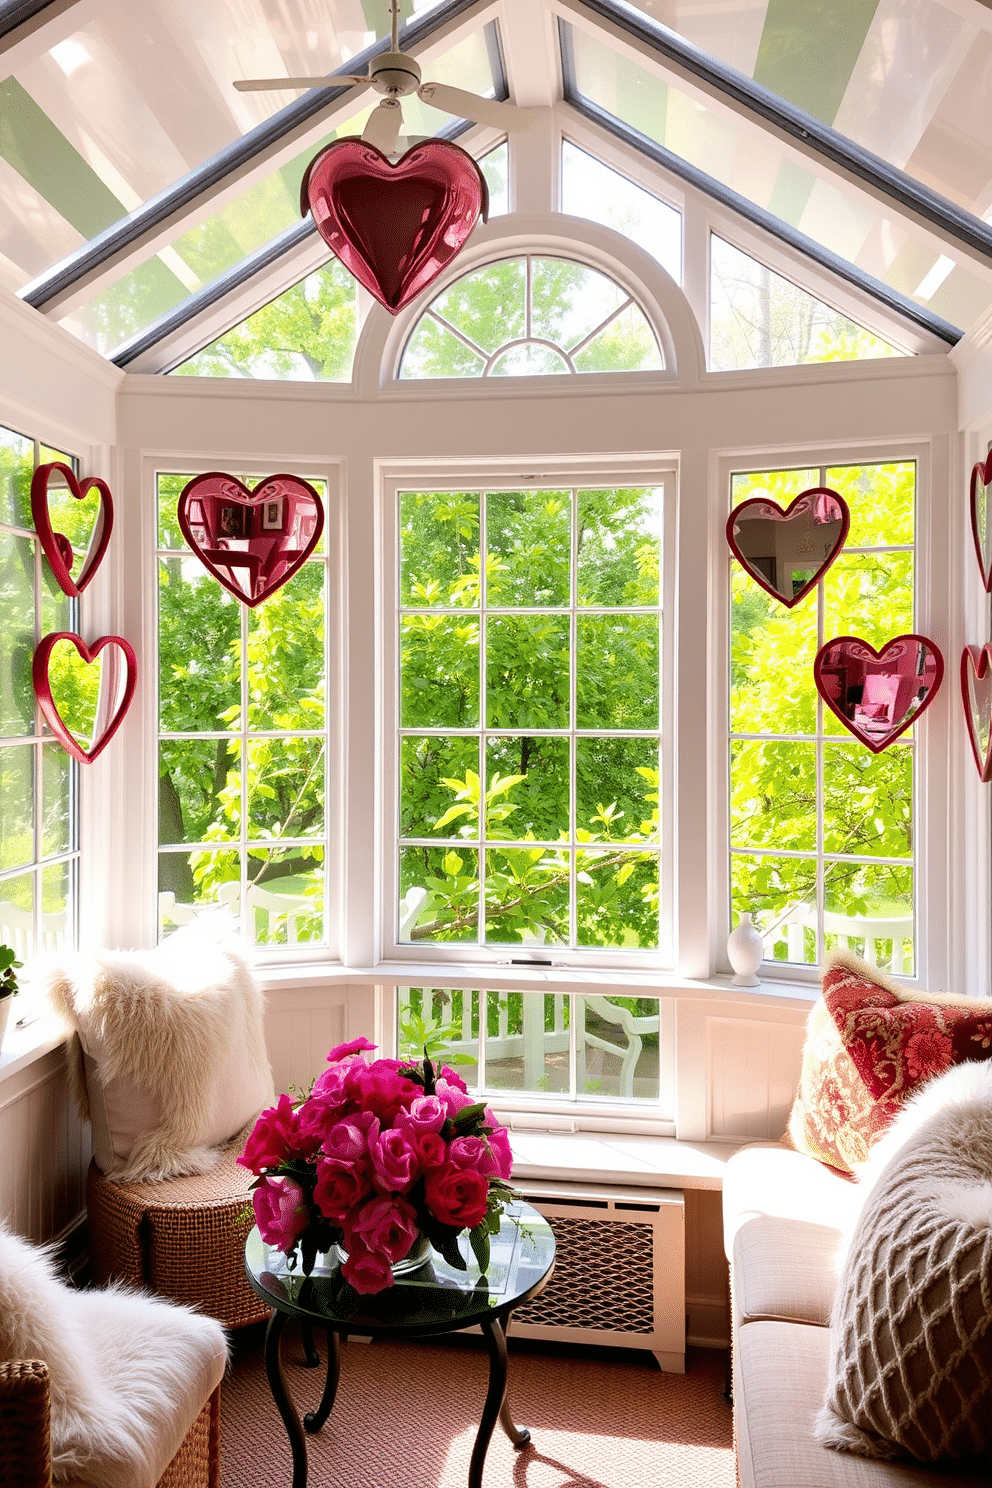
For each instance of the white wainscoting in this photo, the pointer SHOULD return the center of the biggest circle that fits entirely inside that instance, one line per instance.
(752, 1073)
(44, 1150)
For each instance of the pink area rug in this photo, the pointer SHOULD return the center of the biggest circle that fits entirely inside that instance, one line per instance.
(406, 1416)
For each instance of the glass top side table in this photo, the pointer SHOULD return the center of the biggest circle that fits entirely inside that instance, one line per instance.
(434, 1299)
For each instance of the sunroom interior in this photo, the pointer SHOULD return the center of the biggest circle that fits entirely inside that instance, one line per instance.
(502, 765)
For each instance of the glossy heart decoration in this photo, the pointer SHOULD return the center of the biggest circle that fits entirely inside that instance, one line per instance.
(976, 695)
(788, 552)
(251, 541)
(56, 545)
(878, 694)
(981, 519)
(117, 681)
(395, 227)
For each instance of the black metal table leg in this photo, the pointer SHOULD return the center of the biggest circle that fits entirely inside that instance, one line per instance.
(313, 1420)
(284, 1405)
(310, 1355)
(519, 1435)
(495, 1408)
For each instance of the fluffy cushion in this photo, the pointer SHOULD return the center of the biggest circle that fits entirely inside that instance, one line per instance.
(171, 1059)
(869, 1044)
(128, 1373)
(911, 1328)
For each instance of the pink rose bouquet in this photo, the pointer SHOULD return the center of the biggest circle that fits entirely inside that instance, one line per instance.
(378, 1154)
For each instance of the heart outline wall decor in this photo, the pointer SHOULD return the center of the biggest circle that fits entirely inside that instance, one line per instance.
(394, 227)
(55, 545)
(981, 476)
(43, 691)
(841, 673)
(808, 510)
(976, 662)
(266, 533)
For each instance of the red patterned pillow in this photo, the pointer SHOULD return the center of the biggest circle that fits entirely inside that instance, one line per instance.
(869, 1044)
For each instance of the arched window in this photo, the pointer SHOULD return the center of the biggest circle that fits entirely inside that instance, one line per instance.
(531, 316)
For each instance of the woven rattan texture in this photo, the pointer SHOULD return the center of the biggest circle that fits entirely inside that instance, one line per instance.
(603, 1278)
(184, 1238)
(25, 1421)
(197, 1463)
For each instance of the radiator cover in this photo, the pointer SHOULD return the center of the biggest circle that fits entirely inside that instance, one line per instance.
(619, 1275)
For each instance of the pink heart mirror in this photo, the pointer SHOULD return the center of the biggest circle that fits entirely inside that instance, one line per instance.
(877, 695)
(84, 691)
(981, 519)
(251, 541)
(788, 552)
(976, 695)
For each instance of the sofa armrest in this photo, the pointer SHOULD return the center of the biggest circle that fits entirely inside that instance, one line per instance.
(25, 1425)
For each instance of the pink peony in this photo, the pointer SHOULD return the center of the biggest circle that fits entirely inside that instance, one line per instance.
(338, 1190)
(457, 1197)
(281, 1212)
(366, 1271)
(395, 1162)
(426, 1113)
(499, 1146)
(342, 1051)
(386, 1226)
(275, 1138)
(383, 1091)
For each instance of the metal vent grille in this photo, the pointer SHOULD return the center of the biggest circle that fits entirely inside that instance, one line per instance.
(603, 1278)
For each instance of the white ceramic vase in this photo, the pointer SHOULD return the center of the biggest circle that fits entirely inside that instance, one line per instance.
(745, 952)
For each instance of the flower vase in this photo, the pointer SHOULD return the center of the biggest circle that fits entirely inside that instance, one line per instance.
(745, 952)
(418, 1255)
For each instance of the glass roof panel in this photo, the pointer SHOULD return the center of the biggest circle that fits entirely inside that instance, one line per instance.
(250, 220)
(741, 155)
(123, 107)
(899, 77)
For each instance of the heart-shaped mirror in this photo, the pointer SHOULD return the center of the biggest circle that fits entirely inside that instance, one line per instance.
(788, 552)
(395, 227)
(981, 518)
(84, 525)
(976, 695)
(251, 541)
(84, 691)
(878, 694)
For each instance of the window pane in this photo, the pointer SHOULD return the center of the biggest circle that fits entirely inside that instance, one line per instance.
(617, 788)
(773, 801)
(434, 351)
(495, 168)
(17, 914)
(618, 678)
(772, 651)
(57, 610)
(527, 1042)
(169, 490)
(285, 897)
(527, 789)
(488, 307)
(191, 882)
(528, 547)
(869, 907)
(627, 344)
(442, 1021)
(870, 595)
(527, 672)
(868, 801)
(439, 787)
(449, 907)
(618, 899)
(286, 655)
(199, 787)
(882, 500)
(199, 651)
(527, 896)
(439, 670)
(618, 1047)
(16, 635)
(17, 817)
(57, 820)
(619, 547)
(16, 470)
(780, 894)
(530, 360)
(439, 548)
(570, 300)
(285, 788)
(593, 190)
(57, 928)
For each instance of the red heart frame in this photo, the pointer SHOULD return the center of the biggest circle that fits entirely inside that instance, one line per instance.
(55, 545)
(870, 654)
(43, 690)
(977, 660)
(798, 507)
(394, 227)
(981, 473)
(264, 553)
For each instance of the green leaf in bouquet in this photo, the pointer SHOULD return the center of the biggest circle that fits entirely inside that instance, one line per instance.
(468, 1117)
(445, 1240)
(479, 1238)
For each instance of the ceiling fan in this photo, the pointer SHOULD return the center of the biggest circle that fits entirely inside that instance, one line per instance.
(396, 75)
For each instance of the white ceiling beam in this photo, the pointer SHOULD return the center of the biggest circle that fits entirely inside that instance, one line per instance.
(806, 155)
(531, 53)
(36, 36)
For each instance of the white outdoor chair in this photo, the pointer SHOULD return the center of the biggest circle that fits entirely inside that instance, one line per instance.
(17, 930)
(872, 930)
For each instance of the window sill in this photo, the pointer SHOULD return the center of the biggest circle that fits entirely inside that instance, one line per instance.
(614, 1159)
(24, 1046)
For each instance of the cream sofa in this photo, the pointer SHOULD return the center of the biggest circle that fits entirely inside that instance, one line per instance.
(783, 1215)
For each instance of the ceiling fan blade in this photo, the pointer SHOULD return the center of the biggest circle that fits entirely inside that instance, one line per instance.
(383, 127)
(471, 106)
(263, 85)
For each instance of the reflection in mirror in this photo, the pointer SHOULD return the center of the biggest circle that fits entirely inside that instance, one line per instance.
(788, 552)
(981, 518)
(878, 694)
(976, 693)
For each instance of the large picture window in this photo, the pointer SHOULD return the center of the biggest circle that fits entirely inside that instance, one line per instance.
(529, 717)
(822, 830)
(39, 831)
(242, 758)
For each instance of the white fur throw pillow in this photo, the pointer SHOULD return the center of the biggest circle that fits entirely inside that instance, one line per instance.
(911, 1329)
(128, 1374)
(170, 1061)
